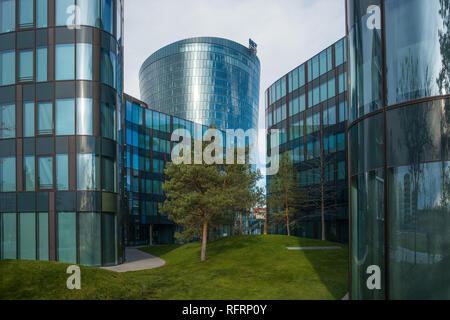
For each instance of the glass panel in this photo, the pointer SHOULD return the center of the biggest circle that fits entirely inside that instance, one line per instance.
(45, 173)
(66, 232)
(65, 61)
(88, 172)
(417, 38)
(29, 173)
(90, 241)
(7, 67)
(25, 13)
(107, 15)
(419, 221)
(8, 236)
(109, 239)
(7, 15)
(84, 61)
(26, 65)
(27, 236)
(8, 174)
(65, 12)
(62, 172)
(41, 13)
(65, 117)
(41, 64)
(84, 116)
(108, 119)
(43, 236)
(108, 68)
(108, 174)
(89, 13)
(45, 118)
(7, 121)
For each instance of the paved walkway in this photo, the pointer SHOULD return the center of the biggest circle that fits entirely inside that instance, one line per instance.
(314, 248)
(137, 260)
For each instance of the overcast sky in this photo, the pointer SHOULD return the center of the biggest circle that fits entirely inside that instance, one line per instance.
(288, 32)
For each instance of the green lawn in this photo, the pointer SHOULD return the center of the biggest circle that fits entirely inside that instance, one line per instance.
(243, 267)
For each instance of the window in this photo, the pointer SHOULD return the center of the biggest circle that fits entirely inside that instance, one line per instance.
(28, 119)
(315, 67)
(84, 61)
(64, 61)
(316, 95)
(88, 172)
(90, 241)
(7, 15)
(7, 174)
(89, 12)
(25, 65)
(7, 121)
(29, 173)
(341, 141)
(109, 238)
(65, 12)
(323, 92)
(65, 117)
(41, 13)
(339, 53)
(107, 15)
(27, 236)
(331, 88)
(62, 172)
(45, 173)
(26, 14)
(341, 170)
(7, 67)
(66, 233)
(45, 118)
(84, 116)
(41, 64)
(332, 115)
(8, 236)
(43, 236)
(342, 82)
(108, 174)
(342, 111)
(108, 119)
(108, 67)
(323, 62)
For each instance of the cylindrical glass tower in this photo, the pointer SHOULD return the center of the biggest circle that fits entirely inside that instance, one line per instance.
(399, 85)
(60, 90)
(204, 80)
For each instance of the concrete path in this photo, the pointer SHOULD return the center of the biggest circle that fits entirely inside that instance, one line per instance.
(314, 248)
(137, 260)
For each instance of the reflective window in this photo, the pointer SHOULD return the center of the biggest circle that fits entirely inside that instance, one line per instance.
(84, 116)
(7, 15)
(7, 174)
(65, 12)
(26, 14)
(90, 241)
(65, 117)
(108, 68)
(62, 172)
(88, 170)
(108, 120)
(109, 238)
(26, 65)
(109, 174)
(45, 173)
(7, 67)
(8, 236)
(45, 118)
(89, 13)
(84, 61)
(64, 62)
(107, 15)
(66, 236)
(27, 236)
(416, 51)
(43, 236)
(41, 64)
(7, 121)
(41, 13)
(29, 173)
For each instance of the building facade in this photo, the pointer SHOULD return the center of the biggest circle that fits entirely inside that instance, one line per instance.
(309, 107)
(204, 80)
(60, 90)
(399, 132)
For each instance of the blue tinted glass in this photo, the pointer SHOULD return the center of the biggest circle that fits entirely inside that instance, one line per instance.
(28, 119)
(65, 62)
(88, 172)
(65, 117)
(7, 67)
(108, 121)
(64, 12)
(108, 68)
(43, 236)
(67, 241)
(7, 15)
(7, 121)
(84, 116)
(29, 173)
(41, 13)
(25, 13)
(45, 173)
(26, 65)
(41, 64)
(84, 61)
(45, 118)
(107, 15)
(8, 233)
(8, 174)
(89, 13)
(27, 236)
(62, 172)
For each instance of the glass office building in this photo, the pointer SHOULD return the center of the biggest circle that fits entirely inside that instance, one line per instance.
(309, 107)
(204, 80)
(60, 90)
(399, 85)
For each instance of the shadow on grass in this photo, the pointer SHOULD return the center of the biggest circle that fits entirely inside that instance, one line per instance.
(160, 250)
(332, 275)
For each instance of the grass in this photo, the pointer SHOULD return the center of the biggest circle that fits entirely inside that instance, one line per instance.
(238, 268)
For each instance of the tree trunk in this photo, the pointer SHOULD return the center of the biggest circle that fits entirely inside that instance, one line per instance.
(240, 223)
(204, 241)
(265, 224)
(287, 222)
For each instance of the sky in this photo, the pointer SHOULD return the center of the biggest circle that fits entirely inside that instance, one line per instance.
(288, 32)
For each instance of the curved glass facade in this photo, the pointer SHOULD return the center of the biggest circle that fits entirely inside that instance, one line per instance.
(204, 80)
(399, 147)
(60, 90)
